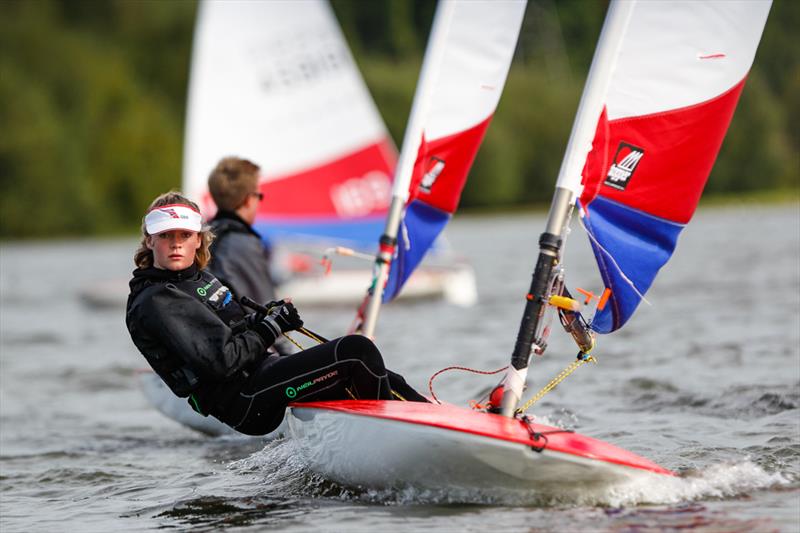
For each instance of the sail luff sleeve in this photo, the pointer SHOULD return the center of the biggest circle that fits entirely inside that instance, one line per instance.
(594, 95)
(423, 97)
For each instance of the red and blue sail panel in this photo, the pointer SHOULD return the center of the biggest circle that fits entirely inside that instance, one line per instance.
(646, 171)
(440, 173)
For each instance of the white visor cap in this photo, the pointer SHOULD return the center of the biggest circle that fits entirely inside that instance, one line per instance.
(172, 216)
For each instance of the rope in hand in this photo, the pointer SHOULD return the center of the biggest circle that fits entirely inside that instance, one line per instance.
(266, 310)
(308, 333)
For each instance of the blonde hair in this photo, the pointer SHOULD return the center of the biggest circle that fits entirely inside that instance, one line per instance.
(143, 258)
(231, 181)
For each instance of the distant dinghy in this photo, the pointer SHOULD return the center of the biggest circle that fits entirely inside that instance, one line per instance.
(284, 91)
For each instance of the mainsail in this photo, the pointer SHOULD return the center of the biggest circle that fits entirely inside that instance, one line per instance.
(275, 82)
(663, 84)
(464, 71)
(675, 81)
(466, 63)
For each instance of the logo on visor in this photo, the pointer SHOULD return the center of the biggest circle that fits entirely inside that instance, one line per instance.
(625, 162)
(172, 214)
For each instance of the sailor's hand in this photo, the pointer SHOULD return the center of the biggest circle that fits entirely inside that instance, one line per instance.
(274, 303)
(285, 316)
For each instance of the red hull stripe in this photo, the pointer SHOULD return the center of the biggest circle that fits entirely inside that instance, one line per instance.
(679, 149)
(488, 425)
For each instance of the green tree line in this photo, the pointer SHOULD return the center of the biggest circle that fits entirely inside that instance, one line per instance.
(92, 104)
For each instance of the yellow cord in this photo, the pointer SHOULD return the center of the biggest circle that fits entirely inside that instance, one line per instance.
(397, 395)
(310, 335)
(293, 342)
(302, 330)
(555, 381)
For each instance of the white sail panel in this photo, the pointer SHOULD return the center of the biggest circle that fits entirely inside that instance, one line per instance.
(273, 82)
(481, 37)
(677, 54)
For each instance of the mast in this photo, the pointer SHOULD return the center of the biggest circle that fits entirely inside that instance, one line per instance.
(405, 166)
(567, 191)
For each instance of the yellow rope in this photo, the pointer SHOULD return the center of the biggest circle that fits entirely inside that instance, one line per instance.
(293, 342)
(302, 330)
(556, 380)
(397, 395)
(310, 335)
(305, 332)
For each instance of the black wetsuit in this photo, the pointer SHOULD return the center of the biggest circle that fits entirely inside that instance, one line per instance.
(198, 338)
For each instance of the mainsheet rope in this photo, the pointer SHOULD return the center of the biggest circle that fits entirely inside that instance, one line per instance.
(475, 404)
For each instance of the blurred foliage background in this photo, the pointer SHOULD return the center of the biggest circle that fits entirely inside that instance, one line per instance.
(92, 103)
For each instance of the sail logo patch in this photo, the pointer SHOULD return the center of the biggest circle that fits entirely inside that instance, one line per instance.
(625, 162)
(430, 176)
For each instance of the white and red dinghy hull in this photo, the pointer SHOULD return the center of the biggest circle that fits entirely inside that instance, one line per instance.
(386, 444)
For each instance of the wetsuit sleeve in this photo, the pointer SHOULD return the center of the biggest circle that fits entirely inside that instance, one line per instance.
(193, 332)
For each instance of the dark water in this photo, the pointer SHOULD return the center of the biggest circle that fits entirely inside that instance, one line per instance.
(704, 381)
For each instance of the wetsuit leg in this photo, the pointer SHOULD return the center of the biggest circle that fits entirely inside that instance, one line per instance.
(345, 368)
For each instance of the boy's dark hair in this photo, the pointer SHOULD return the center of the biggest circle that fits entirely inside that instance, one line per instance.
(231, 181)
